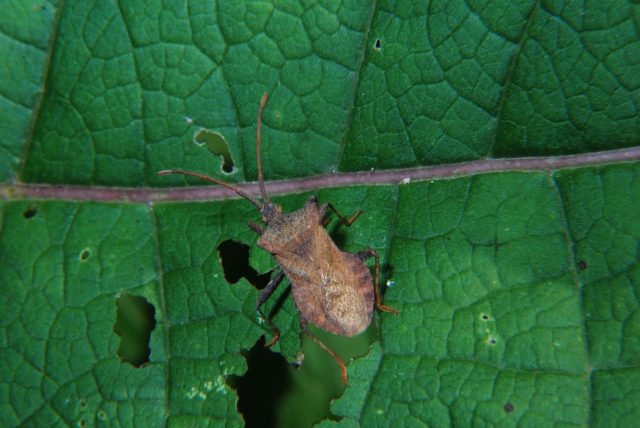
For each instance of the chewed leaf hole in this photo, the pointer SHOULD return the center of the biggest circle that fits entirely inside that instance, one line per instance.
(30, 212)
(84, 255)
(484, 317)
(135, 320)
(217, 145)
(378, 45)
(262, 387)
(234, 258)
(492, 340)
(273, 387)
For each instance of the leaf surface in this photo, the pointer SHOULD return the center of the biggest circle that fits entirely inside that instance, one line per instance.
(517, 290)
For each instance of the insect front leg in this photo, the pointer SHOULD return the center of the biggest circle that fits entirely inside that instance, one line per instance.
(343, 368)
(364, 255)
(323, 211)
(256, 228)
(266, 293)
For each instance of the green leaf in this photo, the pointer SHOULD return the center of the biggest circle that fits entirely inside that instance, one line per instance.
(58, 310)
(26, 28)
(516, 280)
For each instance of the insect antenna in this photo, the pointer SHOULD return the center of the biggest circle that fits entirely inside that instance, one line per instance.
(213, 180)
(263, 190)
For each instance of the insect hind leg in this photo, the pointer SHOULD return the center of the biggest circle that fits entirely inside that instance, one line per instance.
(367, 254)
(343, 368)
(264, 296)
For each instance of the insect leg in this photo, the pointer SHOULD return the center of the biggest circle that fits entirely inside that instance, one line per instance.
(256, 228)
(343, 369)
(364, 255)
(323, 210)
(266, 293)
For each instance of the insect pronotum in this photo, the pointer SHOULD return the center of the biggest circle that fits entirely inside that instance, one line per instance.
(331, 288)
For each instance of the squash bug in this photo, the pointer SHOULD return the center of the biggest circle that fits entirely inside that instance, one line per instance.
(331, 288)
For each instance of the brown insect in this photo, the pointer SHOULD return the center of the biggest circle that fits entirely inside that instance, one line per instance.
(331, 289)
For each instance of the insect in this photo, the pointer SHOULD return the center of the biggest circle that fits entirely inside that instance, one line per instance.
(331, 288)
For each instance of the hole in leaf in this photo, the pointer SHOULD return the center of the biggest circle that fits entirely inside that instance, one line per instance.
(82, 403)
(84, 255)
(82, 423)
(316, 380)
(485, 317)
(378, 45)
(262, 387)
(234, 258)
(135, 320)
(492, 340)
(508, 407)
(582, 265)
(30, 212)
(217, 145)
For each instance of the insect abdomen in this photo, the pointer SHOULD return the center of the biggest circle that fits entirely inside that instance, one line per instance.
(349, 305)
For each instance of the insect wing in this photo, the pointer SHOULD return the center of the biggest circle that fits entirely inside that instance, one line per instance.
(332, 289)
(348, 295)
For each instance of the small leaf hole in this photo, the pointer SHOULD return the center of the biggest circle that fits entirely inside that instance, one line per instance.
(508, 407)
(582, 265)
(84, 255)
(492, 340)
(30, 212)
(82, 403)
(217, 145)
(135, 320)
(234, 258)
(378, 45)
(485, 317)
